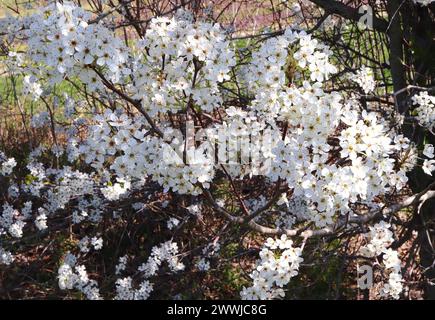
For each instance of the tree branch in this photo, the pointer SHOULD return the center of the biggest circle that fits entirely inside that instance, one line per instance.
(424, 195)
(350, 13)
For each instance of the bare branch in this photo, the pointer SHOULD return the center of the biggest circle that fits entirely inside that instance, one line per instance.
(350, 13)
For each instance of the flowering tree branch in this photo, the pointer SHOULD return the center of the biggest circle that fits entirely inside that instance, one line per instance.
(136, 103)
(417, 199)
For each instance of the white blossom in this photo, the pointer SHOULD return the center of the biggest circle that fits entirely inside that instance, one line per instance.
(364, 78)
(279, 262)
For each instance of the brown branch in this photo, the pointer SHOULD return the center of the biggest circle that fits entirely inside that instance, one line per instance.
(350, 13)
(424, 195)
(136, 103)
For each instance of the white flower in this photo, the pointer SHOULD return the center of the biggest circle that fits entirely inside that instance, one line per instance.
(78, 217)
(195, 209)
(32, 87)
(41, 221)
(7, 166)
(97, 243)
(16, 229)
(40, 120)
(118, 189)
(71, 276)
(125, 291)
(66, 277)
(172, 223)
(428, 150)
(380, 239)
(364, 78)
(425, 110)
(166, 251)
(6, 257)
(428, 166)
(84, 244)
(122, 264)
(203, 265)
(274, 269)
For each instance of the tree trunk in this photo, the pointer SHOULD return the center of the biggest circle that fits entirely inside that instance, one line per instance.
(418, 30)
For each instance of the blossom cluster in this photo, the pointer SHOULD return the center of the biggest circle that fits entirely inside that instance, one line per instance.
(364, 78)
(429, 161)
(425, 110)
(380, 238)
(165, 252)
(6, 164)
(61, 41)
(6, 257)
(208, 252)
(279, 262)
(74, 276)
(181, 62)
(118, 139)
